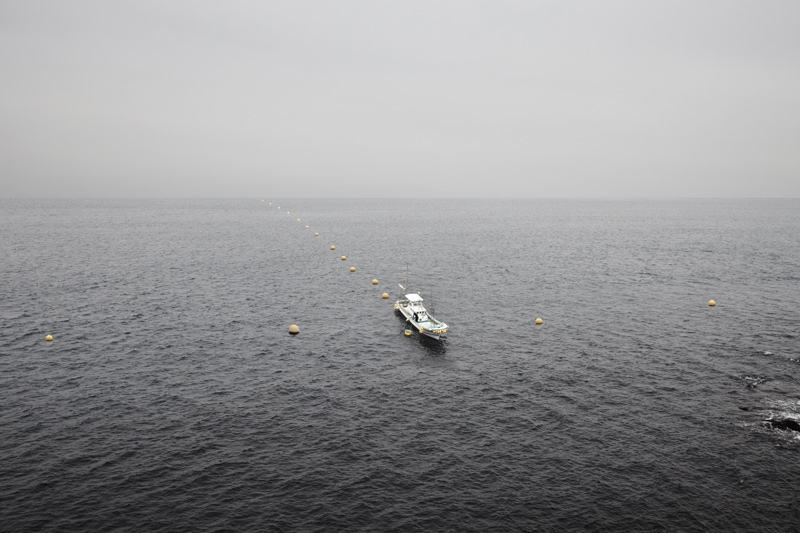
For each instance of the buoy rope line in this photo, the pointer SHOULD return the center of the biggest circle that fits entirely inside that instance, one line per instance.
(294, 329)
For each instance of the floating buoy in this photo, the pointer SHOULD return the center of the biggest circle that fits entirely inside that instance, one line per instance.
(407, 332)
(712, 303)
(344, 258)
(374, 281)
(316, 235)
(270, 203)
(298, 220)
(293, 329)
(385, 295)
(333, 247)
(352, 269)
(538, 321)
(49, 338)
(395, 305)
(262, 201)
(306, 227)
(288, 212)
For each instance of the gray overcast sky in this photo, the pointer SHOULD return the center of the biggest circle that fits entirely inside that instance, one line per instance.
(626, 98)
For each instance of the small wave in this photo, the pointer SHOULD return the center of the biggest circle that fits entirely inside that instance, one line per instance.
(754, 381)
(785, 405)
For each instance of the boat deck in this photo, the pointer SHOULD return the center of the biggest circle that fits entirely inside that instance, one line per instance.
(419, 316)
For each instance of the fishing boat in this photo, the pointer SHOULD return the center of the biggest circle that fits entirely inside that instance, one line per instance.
(410, 306)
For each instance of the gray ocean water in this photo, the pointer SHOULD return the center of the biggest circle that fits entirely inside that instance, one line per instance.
(173, 398)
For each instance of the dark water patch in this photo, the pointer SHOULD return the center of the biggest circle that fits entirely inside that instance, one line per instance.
(783, 424)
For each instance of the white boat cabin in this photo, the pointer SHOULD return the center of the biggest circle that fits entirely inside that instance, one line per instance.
(415, 308)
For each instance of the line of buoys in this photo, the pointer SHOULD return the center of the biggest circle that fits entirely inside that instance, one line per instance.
(294, 329)
(344, 258)
(49, 338)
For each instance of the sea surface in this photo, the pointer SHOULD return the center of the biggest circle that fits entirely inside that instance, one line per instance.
(174, 399)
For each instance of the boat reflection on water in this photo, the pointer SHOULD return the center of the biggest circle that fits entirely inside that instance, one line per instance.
(432, 346)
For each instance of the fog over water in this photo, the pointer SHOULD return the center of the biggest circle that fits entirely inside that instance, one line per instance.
(411, 98)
